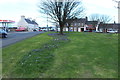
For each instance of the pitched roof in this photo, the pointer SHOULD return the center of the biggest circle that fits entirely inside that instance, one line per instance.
(112, 25)
(34, 22)
(80, 20)
(30, 22)
(91, 24)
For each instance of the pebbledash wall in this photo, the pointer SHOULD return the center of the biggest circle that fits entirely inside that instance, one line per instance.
(27, 23)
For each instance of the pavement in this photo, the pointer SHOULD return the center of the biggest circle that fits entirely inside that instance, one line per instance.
(14, 37)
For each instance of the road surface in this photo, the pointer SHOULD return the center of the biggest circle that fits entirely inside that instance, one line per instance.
(14, 37)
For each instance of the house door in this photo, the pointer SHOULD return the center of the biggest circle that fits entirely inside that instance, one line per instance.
(82, 29)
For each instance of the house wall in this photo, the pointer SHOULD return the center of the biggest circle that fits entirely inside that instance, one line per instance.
(22, 22)
(75, 26)
(101, 30)
(79, 29)
(75, 29)
(29, 27)
(36, 27)
(85, 26)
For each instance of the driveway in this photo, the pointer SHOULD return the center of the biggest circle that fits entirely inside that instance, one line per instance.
(14, 37)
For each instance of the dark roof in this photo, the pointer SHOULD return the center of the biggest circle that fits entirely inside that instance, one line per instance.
(112, 25)
(30, 22)
(34, 22)
(91, 22)
(80, 20)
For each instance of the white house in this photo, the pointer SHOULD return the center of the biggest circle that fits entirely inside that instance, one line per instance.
(27, 23)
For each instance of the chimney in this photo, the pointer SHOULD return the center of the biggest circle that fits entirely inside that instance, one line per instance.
(33, 20)
(30, 18)
(22, 17)
(86, 18)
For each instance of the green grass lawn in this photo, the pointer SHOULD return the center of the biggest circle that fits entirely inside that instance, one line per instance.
(86, 55)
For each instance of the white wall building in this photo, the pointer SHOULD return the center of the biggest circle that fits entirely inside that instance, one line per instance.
(27, 23)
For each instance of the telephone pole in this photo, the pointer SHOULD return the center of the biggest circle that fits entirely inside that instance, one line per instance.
(119, 12)
(118, 7)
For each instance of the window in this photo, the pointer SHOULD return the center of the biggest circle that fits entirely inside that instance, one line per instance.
(75, 24)
(71, 24)
(67, 24)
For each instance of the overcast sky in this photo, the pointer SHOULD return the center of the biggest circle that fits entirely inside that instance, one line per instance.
(13, 9)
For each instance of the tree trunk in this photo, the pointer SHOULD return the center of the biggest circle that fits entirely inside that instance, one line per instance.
(73, 28)
(68, 29)
(61, 28)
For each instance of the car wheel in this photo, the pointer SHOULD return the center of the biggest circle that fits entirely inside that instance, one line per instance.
(2, 36)
(5, 36)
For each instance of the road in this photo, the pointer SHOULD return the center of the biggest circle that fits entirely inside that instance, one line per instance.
(14, 37)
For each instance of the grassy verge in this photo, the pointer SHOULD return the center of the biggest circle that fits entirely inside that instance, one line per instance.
(13, 54)
(86, 55)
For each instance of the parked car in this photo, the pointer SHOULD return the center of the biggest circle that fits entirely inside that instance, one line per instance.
(21, 29)
(3, 33)
(112, 31)
(98, 31)
(44, 30)
(34, 30)
(87, 31)
(52, 30)
(40, 30)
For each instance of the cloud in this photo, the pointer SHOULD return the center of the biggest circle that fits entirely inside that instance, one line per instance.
(17, 1)
(101, 3)
(13, 9)
(106, 7)
(8, 1)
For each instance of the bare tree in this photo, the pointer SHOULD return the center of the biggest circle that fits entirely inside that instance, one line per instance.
(101, 17)
(118, 2)
(61, 10)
